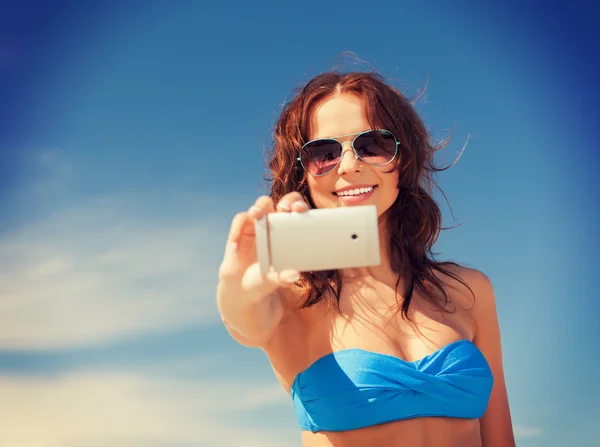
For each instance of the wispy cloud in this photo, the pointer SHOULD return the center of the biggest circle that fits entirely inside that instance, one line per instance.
(104, 270)
(96, 270)
(125, 409)
(92, 408)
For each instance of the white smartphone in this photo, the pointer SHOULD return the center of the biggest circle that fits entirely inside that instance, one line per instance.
(318, 239)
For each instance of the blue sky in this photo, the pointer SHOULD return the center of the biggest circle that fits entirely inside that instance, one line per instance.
(130, 133)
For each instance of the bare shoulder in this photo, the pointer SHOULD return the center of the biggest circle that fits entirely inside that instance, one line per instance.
(469, 288)
(476, 279)
(482, 293)
(477, 286)
(496, 424)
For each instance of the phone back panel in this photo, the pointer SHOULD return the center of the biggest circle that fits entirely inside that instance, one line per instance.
(324, 239)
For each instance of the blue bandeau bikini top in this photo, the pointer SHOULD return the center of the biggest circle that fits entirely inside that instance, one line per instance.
(355, 388)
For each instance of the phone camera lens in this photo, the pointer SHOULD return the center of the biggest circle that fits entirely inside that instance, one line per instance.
(354, 236)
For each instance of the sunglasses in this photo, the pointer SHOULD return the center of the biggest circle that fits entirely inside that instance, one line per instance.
(375, 147)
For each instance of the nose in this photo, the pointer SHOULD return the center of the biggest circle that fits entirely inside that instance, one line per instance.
(349, 161)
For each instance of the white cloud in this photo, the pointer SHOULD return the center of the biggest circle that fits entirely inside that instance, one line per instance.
(86, 409)
(109, 269)
(522, 432)
(124, 409)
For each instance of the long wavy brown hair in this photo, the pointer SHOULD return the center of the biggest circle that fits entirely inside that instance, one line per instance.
(413, 221)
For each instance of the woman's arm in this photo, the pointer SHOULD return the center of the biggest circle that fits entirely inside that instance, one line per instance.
(496, 424)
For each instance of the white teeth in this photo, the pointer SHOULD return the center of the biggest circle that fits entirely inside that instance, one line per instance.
(354, 192)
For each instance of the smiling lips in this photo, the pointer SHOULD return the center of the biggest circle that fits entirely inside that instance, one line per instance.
(354, 192)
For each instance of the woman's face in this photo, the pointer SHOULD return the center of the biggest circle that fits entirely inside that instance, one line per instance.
(345, 114)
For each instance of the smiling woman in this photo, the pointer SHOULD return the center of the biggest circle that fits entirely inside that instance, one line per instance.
(377, 148)
(405, 353)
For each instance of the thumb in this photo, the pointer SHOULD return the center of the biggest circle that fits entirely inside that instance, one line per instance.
(284, 277)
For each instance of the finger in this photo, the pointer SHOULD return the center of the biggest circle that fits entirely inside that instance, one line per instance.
(285, 204)
(237, 225)
(234, 236)
(263, 205)
(300, 206)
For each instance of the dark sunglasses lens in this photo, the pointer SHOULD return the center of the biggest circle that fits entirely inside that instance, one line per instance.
(377, 147)
(321, 156)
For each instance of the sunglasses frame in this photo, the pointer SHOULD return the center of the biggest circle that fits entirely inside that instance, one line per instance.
(356, 135)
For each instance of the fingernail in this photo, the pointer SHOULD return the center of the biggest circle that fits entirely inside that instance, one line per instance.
(285, 207)
(254, 210)
(233, 246)
(289, 276)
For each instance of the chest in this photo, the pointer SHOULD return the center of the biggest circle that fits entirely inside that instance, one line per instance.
(370, 317)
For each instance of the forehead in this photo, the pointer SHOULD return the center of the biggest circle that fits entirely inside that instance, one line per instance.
(342, 114)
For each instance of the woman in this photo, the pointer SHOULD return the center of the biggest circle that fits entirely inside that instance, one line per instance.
(406, 353)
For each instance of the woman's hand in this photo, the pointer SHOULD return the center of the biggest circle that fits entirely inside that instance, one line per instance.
(246, 297)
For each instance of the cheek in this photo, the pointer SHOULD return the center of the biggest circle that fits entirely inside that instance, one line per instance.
(320, 191)
(392, 193)
(390, 188)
